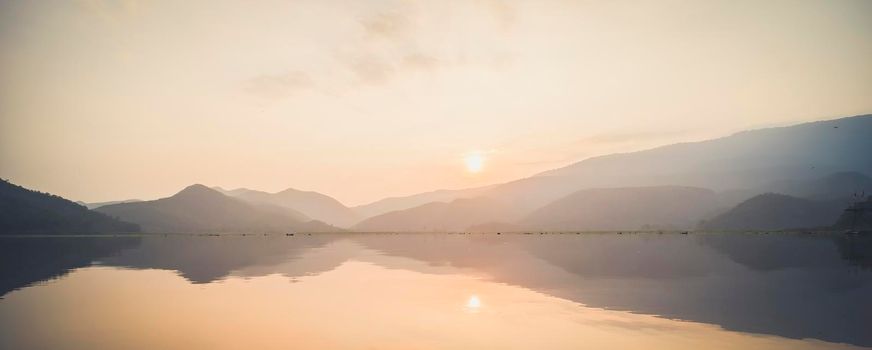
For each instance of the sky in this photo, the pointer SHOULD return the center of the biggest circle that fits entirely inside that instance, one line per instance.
(360, 100)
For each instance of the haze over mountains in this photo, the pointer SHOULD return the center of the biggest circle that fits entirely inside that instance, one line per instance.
(198, 208)
(772, 211)
(311, 204)
(96, 205)
(794, 177)
(457, 215)
(747, 162)
(629, 208)
(390, 204)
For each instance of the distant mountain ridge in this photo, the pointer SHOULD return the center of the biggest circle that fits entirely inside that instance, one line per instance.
(803, 151)
(24, 211)
(311, 204)
(96, 205)
(456, 215)
(390, 204)
(749, 160)
(628, 208)
(198, 208)
(838, 185)
(857, 216)
(772, 211)
(813, 167)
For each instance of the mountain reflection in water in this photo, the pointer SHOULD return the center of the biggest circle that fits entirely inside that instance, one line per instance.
(795, 286)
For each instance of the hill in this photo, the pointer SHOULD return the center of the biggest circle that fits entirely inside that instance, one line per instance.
(96, 205)
(198, 208)
(390, 204)
(457, 215)
(634, 208)
(773, 211)
(24, 211)
(841, 185)
(858, 216)
(311, 204)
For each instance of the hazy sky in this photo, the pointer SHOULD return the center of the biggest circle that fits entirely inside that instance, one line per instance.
(104, 100)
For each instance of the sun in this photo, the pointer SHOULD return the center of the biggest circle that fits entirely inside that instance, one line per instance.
(474, 161)
(474, 303)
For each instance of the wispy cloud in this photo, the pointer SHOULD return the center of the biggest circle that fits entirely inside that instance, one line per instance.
(398, 40)
(389, 24)
(278, 85)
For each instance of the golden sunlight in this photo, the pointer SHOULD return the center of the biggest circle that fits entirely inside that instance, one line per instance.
(474, 161)
(473, 303)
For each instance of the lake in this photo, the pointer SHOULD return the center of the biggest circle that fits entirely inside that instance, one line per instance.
(438, 291)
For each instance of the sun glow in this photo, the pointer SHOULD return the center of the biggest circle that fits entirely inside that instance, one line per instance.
(473, 303)
(474, 161)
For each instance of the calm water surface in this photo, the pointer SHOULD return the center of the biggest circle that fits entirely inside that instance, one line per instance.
(437, 291)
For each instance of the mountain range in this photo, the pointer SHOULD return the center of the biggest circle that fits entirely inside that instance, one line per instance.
(629, 208)
(390, 204)
(311, 204)
(746, 163)
(95, 205)
(198, 208)
(800, 176)
(772, 211)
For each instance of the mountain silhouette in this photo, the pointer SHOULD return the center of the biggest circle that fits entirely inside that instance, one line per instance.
(24, 211)
(858, 216)
(746, 159)
(842, 185)
(746, 162)
(633, 208)
(457, 215)
(198, 208)
(95, 205)
(772, 211)
(312, 204)
(390, 204)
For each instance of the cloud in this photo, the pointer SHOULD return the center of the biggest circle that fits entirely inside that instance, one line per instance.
(421, 61)
(412, 38)
(397, 40)
(390, 24)
(278, 85)
(502, 12)
(371, 69)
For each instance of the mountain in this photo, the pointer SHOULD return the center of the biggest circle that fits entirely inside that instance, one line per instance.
(312, 204)
(750, 160)
(198, 208)
(772, 211)
(405, 202)
(96, 205)
(858, 216)
(747, 159)
(633, 208)
(841, 185)
(457, 215)
(24, 211)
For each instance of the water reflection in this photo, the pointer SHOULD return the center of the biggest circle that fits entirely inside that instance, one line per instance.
(788, 285)
(24, 261)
